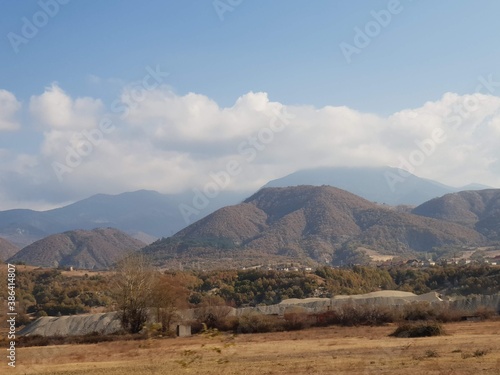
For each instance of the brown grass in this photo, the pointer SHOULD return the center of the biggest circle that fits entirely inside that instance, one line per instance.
(469, 348)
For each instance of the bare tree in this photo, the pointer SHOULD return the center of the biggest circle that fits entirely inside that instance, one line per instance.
(135, 279)
(213, 310)
(168, 295)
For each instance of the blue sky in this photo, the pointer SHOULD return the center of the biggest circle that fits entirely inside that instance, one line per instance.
(288, 49)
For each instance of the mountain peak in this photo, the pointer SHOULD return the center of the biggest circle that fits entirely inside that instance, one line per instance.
(88, 249)
(387, 185)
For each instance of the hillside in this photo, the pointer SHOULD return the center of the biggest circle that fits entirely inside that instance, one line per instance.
(7, 249)
(309, 223)
(475, 209)
(95, 249)
(376, 184)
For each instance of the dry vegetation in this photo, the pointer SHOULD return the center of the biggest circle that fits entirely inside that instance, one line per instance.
(99, 248)
(467, 348)
(307, 224)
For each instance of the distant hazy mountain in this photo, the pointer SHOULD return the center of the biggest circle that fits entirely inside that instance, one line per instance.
(377, 184)
(146, 215)
(7, 249)
(308, 222)
(96, 249)
(476, 209)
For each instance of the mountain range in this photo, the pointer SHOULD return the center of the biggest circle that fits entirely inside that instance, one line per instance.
(145, 215)
(148, 215)
(306, 224)
(309, 223)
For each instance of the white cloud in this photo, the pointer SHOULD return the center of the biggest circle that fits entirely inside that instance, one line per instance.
(56, 110)
(169, 118)
(9, 106)
(173, 143)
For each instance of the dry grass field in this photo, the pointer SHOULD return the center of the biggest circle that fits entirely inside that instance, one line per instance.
(468, 348)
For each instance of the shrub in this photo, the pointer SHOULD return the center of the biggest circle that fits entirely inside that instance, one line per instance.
(431, 353)
(446, 314)
(297, 320)
(213, 316)
(485, 313)
(420, 329)
(425, 311)
(326, 318)
(22, 319)
(419, 311)
(91, 338)
(196, 326)
(350, 314)
(480, 353)
(259, 323)
(377, 315)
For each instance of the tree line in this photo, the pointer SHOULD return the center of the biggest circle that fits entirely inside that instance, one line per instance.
(136, 288)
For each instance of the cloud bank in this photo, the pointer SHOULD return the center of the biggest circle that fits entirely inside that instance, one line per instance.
(172, 143)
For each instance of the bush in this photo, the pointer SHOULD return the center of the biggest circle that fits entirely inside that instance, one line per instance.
(425, 311)
(22, 319)
(326, 318)
(418, 311)
(297, 320)
(421, 329)
(448, 314)
(375, 315)
(91, 338)
(213, 316)
(258, 323)
(431, 353)
(196, 326)
(485, 313)
(350, 314)
(480, 352)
